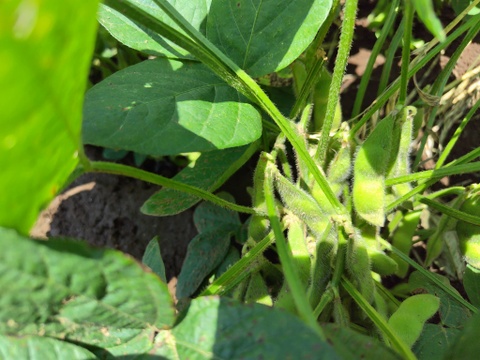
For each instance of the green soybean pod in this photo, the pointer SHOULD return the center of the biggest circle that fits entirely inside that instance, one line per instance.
(401, 165)
(320, 100)
(259, 226)
(301, 258)
(370, 168)
(257, 291)
(321, 272)
(409, 319)
(469, 234)
(358, 266)
(302, 204)
(402, 239)
(382, 264)
(426, 12)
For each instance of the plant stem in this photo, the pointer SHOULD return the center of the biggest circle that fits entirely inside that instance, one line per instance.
(346, 38)
(419, 62)
(447, 210)
(453, 140)
(124, 170)
(407, 38)
(249, 262)
(366, 77)
(435, 174)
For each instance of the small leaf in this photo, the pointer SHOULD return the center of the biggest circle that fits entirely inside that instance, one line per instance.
(427, 14)
(39, 347)
(153, 258)
(166, 107)
(205, 252)
(218, 328)
(209, 216)
(410, 317)
(242, 29)
(211, 170)
(64, 288)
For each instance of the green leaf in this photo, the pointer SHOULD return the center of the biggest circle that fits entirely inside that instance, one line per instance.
(205, 252)
(232, 257)
(466, 345)
(140, 38)
(434, 341)
(471, 282)
(211, 170)
(165, 107)
(243, 30)
(410, 317)
(46, 52)
(210, 216)
(153, 258)
(66, 289)
(426, 12)
(351, 345)
(452, 314)
(37, 347)
(218, 328)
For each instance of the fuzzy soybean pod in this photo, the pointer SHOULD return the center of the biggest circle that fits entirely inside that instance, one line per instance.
(408, 321)
(402, 239)
(321, 272)
(401, 149)
(257, 291)
(302, 204)
(259, 226)
(372, 163)
(469, 234)
(301, 258)
(382, 264)
(358, 266)
(320, 100)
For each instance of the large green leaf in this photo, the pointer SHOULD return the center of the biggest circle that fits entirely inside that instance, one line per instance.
(243, 30)
(434, 341)
(164, 107)
(215, 328)
(350, 344)
(65, 289)
(141, 38)
(263, 36)
(45, 56)
(211, 170)
(37, 347)
(466, 344)
(452, 313)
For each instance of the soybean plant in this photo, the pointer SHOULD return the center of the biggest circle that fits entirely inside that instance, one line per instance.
(331, 258)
